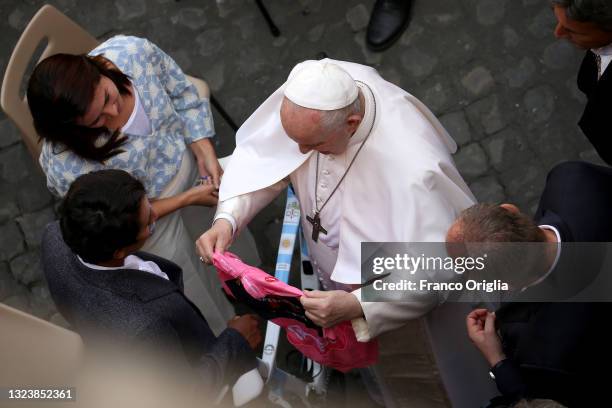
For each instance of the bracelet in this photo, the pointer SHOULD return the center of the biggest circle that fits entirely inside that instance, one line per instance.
(203, 180)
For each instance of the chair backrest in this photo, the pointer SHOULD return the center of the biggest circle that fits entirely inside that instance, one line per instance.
(63, 36)
(34, 351)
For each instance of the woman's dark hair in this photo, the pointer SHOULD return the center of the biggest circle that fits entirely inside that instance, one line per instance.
(100, 214)
(59, 92)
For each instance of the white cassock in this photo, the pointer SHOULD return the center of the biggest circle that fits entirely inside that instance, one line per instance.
(402, 187)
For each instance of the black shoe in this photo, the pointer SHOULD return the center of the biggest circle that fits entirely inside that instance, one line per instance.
(388, 20)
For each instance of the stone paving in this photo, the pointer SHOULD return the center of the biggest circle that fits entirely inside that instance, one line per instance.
(490, 69)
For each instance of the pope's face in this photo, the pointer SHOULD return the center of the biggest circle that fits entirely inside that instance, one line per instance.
(303, 127)
(582, 34)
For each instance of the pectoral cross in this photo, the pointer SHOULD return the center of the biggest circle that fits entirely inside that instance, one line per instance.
(316, 226)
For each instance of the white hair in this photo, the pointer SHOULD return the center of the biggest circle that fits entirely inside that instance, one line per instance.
(331, 119)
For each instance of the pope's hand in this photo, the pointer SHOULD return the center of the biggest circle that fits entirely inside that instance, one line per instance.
(481, 330)
(329, 308)
(217, 238)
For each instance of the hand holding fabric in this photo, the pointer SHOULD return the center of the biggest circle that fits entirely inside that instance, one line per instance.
(217, 238)
(328, 308)
(481, 331)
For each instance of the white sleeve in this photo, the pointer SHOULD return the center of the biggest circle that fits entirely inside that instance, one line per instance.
(240, 210)
(380, 317)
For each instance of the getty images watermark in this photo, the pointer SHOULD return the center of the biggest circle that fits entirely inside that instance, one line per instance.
(382, 265)
(486, 272)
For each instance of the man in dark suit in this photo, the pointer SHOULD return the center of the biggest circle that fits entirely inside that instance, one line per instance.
(108, 291)
(588, 25)
(538, 348)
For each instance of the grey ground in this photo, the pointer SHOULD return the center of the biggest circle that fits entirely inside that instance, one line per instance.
(490, 69)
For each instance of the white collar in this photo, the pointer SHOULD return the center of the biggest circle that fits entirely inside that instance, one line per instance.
(366, 125)
(130, 262)
(602, 51)
(557, 256)
(100, 267)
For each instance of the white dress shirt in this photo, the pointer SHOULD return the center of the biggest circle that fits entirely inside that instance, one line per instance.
(605, 55)
(557, 256)
(131, 262)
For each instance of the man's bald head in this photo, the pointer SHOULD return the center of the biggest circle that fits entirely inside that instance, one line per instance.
(501, 233)
(494, 223)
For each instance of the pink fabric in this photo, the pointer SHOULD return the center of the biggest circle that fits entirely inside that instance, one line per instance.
(337, 347)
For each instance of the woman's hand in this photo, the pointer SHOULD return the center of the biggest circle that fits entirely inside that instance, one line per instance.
(208, 165)
(202, 194)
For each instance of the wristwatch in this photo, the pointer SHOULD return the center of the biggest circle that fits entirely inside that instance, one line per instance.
(496, 367)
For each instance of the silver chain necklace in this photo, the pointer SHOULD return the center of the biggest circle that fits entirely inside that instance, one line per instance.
(315, 220)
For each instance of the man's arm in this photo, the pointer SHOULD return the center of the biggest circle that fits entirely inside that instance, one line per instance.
(240, 210)
(232, 216)
(381, 317)
(481, 330)
(369, 319)
(228, 357)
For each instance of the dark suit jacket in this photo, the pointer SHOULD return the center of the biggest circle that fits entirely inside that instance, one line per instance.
(556, 350)
(596, 117)
(136, 308)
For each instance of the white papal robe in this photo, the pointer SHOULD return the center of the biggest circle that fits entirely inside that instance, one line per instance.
(402, 187)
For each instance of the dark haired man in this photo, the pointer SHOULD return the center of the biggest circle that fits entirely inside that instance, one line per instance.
(107, 290)
(547, 349)
(588, 25)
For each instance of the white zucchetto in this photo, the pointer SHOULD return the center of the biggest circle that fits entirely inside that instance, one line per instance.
(321, 85)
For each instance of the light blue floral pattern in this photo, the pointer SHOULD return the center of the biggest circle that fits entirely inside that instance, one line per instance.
(178, 117)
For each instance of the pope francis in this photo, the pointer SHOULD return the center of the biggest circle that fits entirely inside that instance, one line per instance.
(368, 162)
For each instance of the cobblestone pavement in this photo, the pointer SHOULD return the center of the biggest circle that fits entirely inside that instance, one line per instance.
(490, 69)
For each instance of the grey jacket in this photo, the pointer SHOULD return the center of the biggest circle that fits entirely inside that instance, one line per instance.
(138, 308)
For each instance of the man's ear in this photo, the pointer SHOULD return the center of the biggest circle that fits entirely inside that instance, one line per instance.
(353, 122)
(120, 253)
(510, 207)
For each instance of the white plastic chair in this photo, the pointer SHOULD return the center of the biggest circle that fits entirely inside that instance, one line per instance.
(34, 351)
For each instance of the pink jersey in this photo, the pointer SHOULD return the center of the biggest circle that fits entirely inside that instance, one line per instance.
(334, 347)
